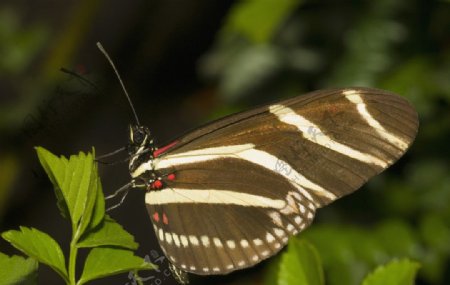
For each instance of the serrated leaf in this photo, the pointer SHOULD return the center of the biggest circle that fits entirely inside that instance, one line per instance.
(104, 261)
(18, 270)
(54, 167)
(300, 264)
(98, 213)
(39, 246)
(397, 272)
(78, 182)
(77, 188)
(92, 202)
(109, 232)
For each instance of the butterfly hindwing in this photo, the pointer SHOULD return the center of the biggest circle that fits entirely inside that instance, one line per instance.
(209, 225)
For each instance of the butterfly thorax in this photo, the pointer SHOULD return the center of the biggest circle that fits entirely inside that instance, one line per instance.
(140, 149)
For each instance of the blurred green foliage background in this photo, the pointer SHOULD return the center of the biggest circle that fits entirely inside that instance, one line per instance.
(187, 62)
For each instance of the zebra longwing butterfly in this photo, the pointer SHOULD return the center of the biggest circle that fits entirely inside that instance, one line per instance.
(230, 194)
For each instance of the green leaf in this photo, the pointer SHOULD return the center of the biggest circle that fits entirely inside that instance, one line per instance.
(93, 203)
(55, 169)
(351, 254)
(300, 265)
(18, 270)
(78, 188)
(435, 233)
(397, 272)
(39, 246)
(259, 20)
(109, 232)
(102, 262)
(271, 271)
(79, 184)
(398, 238)
(416, 79)
(98, 213)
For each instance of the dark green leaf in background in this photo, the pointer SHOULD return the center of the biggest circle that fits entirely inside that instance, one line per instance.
(397, 238)
(397, 272)
(347, 253)
(300, 264)
(258, 20)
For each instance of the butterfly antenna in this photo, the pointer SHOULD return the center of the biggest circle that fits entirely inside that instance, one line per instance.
(79, 77)
(100, 47)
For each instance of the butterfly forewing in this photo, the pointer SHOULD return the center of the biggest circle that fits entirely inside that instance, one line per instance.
(243, 184)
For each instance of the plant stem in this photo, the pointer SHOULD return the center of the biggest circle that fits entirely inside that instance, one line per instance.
(138, 278)
(73, 254)
(72, 261)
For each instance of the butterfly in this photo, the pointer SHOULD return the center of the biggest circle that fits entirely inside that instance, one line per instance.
(230, 194)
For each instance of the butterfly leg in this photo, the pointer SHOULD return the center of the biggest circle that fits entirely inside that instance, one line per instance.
(126, 188)
(120, 190)
(120, 203)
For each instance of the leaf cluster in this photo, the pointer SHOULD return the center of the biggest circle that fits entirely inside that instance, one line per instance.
(80, 200)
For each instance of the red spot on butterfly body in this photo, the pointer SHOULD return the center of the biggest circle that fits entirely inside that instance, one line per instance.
(156, 184)
(165, 220)
(163, 149)
(171, 176)
(156, 216)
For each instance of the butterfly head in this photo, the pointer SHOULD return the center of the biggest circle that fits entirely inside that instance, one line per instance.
(140, 140)
(139, 137)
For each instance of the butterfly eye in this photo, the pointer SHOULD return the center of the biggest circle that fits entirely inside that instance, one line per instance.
(138, 137)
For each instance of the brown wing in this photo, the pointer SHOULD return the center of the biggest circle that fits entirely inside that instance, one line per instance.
(246, 182)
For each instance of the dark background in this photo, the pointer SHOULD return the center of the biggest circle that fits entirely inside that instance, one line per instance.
(187, 62)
